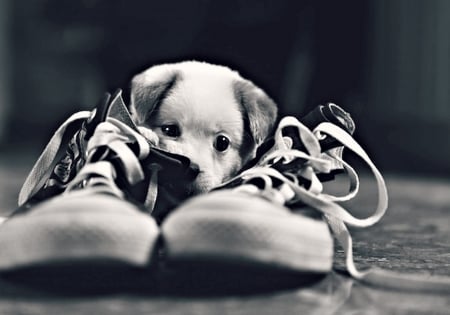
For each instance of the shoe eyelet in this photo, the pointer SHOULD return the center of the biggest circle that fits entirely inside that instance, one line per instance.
(320, 135)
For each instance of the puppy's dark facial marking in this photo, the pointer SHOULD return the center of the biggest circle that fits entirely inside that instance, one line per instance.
(259, 109)
(147, 98)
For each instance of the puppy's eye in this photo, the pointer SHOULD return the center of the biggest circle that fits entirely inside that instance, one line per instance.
(221, 143)
(172, 131)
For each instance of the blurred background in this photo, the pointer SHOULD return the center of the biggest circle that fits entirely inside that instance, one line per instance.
(387, 62)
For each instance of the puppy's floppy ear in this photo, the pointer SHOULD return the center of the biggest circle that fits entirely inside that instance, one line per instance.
(259, 109)
(148, 90)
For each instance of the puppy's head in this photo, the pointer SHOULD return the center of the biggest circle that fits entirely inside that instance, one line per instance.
(206, 112)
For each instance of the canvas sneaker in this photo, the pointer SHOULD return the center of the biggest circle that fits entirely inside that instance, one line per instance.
(94, 195)
(275, 215)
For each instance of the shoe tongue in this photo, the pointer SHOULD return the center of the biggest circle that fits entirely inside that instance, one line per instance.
(339, 117)
(99, 115)
(329, 113)
(118, 110)
(110, 106)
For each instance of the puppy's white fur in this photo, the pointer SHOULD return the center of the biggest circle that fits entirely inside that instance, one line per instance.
(206, 103)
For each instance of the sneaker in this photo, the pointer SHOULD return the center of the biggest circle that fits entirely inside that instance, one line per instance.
(275, 217)
(93, 195)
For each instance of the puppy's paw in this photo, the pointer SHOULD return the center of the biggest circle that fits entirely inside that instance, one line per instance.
(150, 135)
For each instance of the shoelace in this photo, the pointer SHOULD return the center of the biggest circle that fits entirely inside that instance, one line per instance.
(291, 191)
(47, 160)
(114, 136)
(112, 139)
(61, 165)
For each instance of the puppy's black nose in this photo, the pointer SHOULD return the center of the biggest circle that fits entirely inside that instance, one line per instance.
(193, 171)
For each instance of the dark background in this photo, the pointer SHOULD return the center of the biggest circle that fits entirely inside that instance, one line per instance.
(386, 61)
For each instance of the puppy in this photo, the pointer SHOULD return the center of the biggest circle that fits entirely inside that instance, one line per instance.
(206, 112)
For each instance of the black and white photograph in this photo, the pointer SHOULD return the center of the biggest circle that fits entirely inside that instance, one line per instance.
(224, 157)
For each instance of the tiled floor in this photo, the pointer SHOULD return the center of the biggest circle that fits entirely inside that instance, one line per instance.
(413, 237)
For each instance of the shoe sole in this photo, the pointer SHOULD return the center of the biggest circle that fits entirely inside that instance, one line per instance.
(235, 230)
(71, 230)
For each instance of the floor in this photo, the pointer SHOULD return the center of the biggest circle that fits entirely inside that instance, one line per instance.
(414, 237)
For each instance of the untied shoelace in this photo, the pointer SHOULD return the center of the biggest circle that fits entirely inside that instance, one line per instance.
(112, 134)
(291, 192)
(101, 175)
